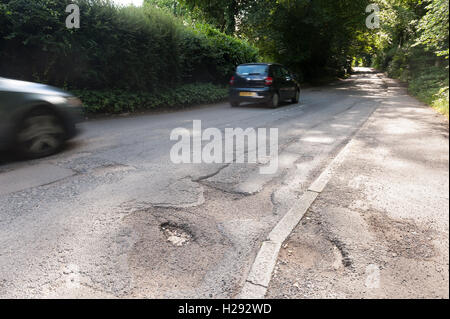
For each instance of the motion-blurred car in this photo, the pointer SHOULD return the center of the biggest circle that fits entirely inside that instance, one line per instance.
(263, 82)
(36, 119)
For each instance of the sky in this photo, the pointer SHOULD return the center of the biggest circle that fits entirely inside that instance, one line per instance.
(127, 2)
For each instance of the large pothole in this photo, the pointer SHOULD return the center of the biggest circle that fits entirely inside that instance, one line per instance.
(175, 234)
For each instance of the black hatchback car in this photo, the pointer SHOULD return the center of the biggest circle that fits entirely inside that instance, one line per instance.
(268, 83)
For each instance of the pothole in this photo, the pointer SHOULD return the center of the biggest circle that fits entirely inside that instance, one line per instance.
(346, 259)
(175, 234)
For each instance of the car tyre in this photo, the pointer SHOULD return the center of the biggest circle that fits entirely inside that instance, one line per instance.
(274, 101)
(39, 134)
(296, 98)
(234, 104)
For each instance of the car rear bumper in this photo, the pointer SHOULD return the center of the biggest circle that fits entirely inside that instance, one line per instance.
(250, 94)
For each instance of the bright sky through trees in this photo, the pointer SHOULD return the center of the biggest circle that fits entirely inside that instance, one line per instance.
(137, 3)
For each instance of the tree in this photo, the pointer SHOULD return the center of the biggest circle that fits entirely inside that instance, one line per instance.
(433, 28)
(311, 37)
(172, 6)
(220, 13)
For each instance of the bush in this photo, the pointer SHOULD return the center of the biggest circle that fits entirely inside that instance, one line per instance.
(430, 85)
(118, 101)
(425, 73)
(138, 49)
(440, 102)
(221, 52)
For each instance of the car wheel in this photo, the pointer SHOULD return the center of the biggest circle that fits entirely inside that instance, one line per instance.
(275, 101)
(234, 104)
(296, 98)
(40, 134)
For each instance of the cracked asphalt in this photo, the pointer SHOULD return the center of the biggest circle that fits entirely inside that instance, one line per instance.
(380, 227)
(104, 218)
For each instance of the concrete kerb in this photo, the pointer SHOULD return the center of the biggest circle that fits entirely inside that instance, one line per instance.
(260, 274)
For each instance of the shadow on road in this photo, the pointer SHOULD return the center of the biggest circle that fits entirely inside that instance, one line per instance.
(250, 105)
(9, 157)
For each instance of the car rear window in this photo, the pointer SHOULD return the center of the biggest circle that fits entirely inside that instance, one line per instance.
(252, 69)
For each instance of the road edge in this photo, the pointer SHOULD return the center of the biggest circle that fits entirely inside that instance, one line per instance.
(258, 279)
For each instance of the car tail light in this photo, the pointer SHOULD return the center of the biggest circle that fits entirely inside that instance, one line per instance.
(232, 80)
(268, 80)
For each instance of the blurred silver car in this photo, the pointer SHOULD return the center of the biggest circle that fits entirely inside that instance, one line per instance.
(36, 119)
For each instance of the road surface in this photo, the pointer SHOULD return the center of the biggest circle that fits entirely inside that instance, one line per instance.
(112, 216)
(379, 229)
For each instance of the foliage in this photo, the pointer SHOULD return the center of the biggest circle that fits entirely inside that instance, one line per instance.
(430, 85)
(172, 6)
(172, 42)
(433, 27)
(118, 101)
(440, 101)
(219, 13)
(220, 51)
(138, 49)
(412, 45)
(313, 38)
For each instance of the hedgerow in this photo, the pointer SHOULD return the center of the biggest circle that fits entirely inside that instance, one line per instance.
(121, 49)
(118, 101)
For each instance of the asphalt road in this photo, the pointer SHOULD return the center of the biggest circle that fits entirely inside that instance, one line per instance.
(112, 216)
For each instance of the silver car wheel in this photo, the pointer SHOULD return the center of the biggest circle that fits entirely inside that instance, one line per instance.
(40, 135)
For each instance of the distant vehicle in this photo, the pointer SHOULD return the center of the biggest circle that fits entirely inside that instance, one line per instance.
(36, 119)
(267, 83)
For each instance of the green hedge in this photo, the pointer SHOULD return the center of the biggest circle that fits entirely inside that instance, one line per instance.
(137, 49)
(118, 101)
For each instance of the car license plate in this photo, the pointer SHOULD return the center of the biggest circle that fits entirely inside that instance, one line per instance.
(247, 94)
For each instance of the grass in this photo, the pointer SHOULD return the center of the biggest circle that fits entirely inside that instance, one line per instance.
(440, 103)
(430, 85)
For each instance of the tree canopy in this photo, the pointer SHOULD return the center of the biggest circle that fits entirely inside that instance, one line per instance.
(309, 36)
(316, 37)
(433, 27)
